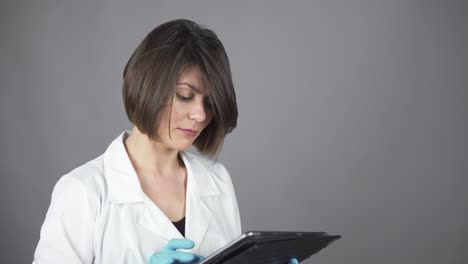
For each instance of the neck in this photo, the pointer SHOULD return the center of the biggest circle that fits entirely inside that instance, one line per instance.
(151, 156)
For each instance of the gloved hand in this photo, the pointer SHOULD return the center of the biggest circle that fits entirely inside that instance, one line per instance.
(293, 261)
(169, 253)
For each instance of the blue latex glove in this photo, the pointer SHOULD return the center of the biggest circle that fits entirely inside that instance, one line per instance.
(293, 261)
(169, 253)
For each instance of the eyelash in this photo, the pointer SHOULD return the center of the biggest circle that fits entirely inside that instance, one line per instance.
(183, 98)
(186, 99)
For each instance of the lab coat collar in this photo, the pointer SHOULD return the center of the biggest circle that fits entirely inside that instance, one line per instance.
(124, 187)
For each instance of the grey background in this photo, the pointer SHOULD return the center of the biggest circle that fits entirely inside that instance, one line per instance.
(352, 115)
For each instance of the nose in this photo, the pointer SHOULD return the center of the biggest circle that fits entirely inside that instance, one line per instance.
(197, 113)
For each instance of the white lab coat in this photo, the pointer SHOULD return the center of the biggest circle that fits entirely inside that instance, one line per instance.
(99, 213)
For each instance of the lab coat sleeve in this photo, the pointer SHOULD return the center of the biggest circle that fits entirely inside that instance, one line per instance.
(67, 232)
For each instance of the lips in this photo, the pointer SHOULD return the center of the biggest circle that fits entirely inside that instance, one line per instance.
(189, 132)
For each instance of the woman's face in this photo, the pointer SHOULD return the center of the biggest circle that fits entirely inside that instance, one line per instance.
(189, 114)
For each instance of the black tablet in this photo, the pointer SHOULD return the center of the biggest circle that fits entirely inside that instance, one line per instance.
(271, 247)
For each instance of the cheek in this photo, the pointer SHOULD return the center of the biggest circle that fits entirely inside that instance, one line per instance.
(178, 113)
(163, 123)
(165, 114)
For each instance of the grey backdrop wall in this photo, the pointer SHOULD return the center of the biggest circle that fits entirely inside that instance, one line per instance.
(352, 115)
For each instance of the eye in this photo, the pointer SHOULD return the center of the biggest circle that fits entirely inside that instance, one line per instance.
(183, 98)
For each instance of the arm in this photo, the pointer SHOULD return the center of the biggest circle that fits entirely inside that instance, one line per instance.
(68, 229)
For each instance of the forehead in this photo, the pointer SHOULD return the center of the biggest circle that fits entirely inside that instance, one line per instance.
(194, 79)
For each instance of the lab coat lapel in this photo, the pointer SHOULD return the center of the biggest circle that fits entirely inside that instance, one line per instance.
(198, 219)
(200, 188)
(157, 222)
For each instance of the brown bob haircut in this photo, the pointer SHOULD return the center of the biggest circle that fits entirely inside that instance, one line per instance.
(151, 73)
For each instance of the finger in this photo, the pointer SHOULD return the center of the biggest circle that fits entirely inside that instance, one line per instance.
(198, 258)
(174, 244)
(183, 257)
(293, 261)
(161, 259)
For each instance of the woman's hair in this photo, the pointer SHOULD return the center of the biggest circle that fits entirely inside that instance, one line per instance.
(151, 73)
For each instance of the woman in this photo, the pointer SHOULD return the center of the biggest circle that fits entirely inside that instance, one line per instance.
(137, 202)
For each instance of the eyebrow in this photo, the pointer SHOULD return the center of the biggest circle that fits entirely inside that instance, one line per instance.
(191, 86)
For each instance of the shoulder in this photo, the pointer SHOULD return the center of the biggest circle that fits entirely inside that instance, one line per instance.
(86, 180)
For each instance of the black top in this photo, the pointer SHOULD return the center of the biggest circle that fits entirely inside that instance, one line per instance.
(180, 225)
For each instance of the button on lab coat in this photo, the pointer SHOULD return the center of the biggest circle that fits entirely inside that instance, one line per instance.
(99, 213)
